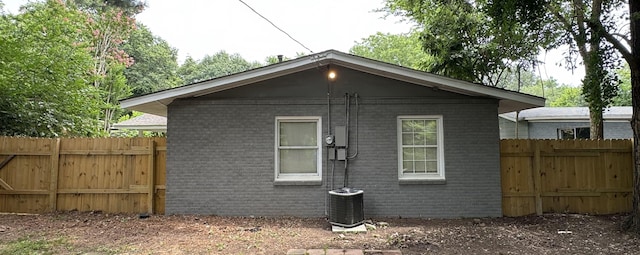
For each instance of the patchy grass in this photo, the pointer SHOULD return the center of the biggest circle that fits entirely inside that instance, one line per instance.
(107, 234)
(30, 245)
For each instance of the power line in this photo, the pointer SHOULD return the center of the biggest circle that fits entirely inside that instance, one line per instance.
(274, 25)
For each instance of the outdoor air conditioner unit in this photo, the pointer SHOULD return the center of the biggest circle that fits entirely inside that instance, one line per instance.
(347, 208)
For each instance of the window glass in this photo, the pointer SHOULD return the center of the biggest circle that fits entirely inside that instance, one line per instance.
(583, 133)
(420, 143)
(566, 133)
(298, 161)
(298, 134)
(574, 133)
(298, 148)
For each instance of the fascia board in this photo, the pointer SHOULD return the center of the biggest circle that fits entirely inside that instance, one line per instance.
(507, 117)
(140, 127)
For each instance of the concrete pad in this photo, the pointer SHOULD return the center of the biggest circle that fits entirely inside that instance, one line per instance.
(382, 252)
(297, 252)
(341, 252)
(357, 229)
(334, 252)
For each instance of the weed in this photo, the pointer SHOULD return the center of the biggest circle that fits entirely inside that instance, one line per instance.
(29, 245)
(109, 250)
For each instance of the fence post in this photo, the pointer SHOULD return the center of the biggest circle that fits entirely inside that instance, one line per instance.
(151, 176)
(53, 180)
(536, 177)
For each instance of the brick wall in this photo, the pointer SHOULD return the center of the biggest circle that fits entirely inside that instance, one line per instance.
(220, 158)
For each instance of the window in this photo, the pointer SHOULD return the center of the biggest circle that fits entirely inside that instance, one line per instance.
(420, 148)
(574, 133)
(298, 153)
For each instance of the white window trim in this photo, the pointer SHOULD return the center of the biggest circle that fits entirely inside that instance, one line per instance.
(439, 175)
(298, 177)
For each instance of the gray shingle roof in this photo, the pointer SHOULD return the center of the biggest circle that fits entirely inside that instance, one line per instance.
(145, 121)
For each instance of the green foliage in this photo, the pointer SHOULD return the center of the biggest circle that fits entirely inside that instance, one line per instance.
(568, 96)
(44, 74)
(624, 93)
(130, 7)
(212, 66)
(114, 87)
(155, 64)
(582, 26)
(600, 85)
(463, 42)
(109, 27)
(556, 95)
(399, 49)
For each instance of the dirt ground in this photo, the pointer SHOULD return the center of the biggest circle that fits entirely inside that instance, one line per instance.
(100, 233)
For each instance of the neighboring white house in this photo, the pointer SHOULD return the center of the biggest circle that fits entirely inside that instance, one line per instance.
(564, 123)
(144, 122)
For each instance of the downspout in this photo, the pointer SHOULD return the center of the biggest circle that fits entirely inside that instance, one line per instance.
(357, 110)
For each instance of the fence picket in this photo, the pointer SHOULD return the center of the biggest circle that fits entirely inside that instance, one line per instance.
(576, 176)
(106, 174)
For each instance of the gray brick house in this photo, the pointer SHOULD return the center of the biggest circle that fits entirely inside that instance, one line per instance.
(273, 140)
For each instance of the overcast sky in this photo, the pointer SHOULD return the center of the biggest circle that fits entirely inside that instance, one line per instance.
(198, 27)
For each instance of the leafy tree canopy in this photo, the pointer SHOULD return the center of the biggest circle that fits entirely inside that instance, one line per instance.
(130, 7)
(44, 79)
(212, 66)
(463, 42)
(399, 49)
(155, 64)
(624, 94)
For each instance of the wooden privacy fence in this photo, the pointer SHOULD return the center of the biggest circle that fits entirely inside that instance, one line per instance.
(578, 176)
(127, 175)
(124, 175)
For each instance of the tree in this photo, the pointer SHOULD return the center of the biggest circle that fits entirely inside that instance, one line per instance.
(626, 45)
(399, 49)
(129, 7)
(109, 27)
(464, 45)
(632, 56)
(44, 81)
(569, 96)
(567, 23)
(155, 64)
(479, 41)
(212, 66)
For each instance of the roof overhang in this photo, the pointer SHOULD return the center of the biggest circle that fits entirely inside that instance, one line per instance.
(156, 103)
(154, 128)
(569, 114)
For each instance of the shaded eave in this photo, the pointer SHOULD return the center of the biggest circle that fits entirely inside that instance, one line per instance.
(156, 103)
(155, 128)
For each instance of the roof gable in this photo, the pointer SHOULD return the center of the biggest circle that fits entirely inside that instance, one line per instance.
(156, 103)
